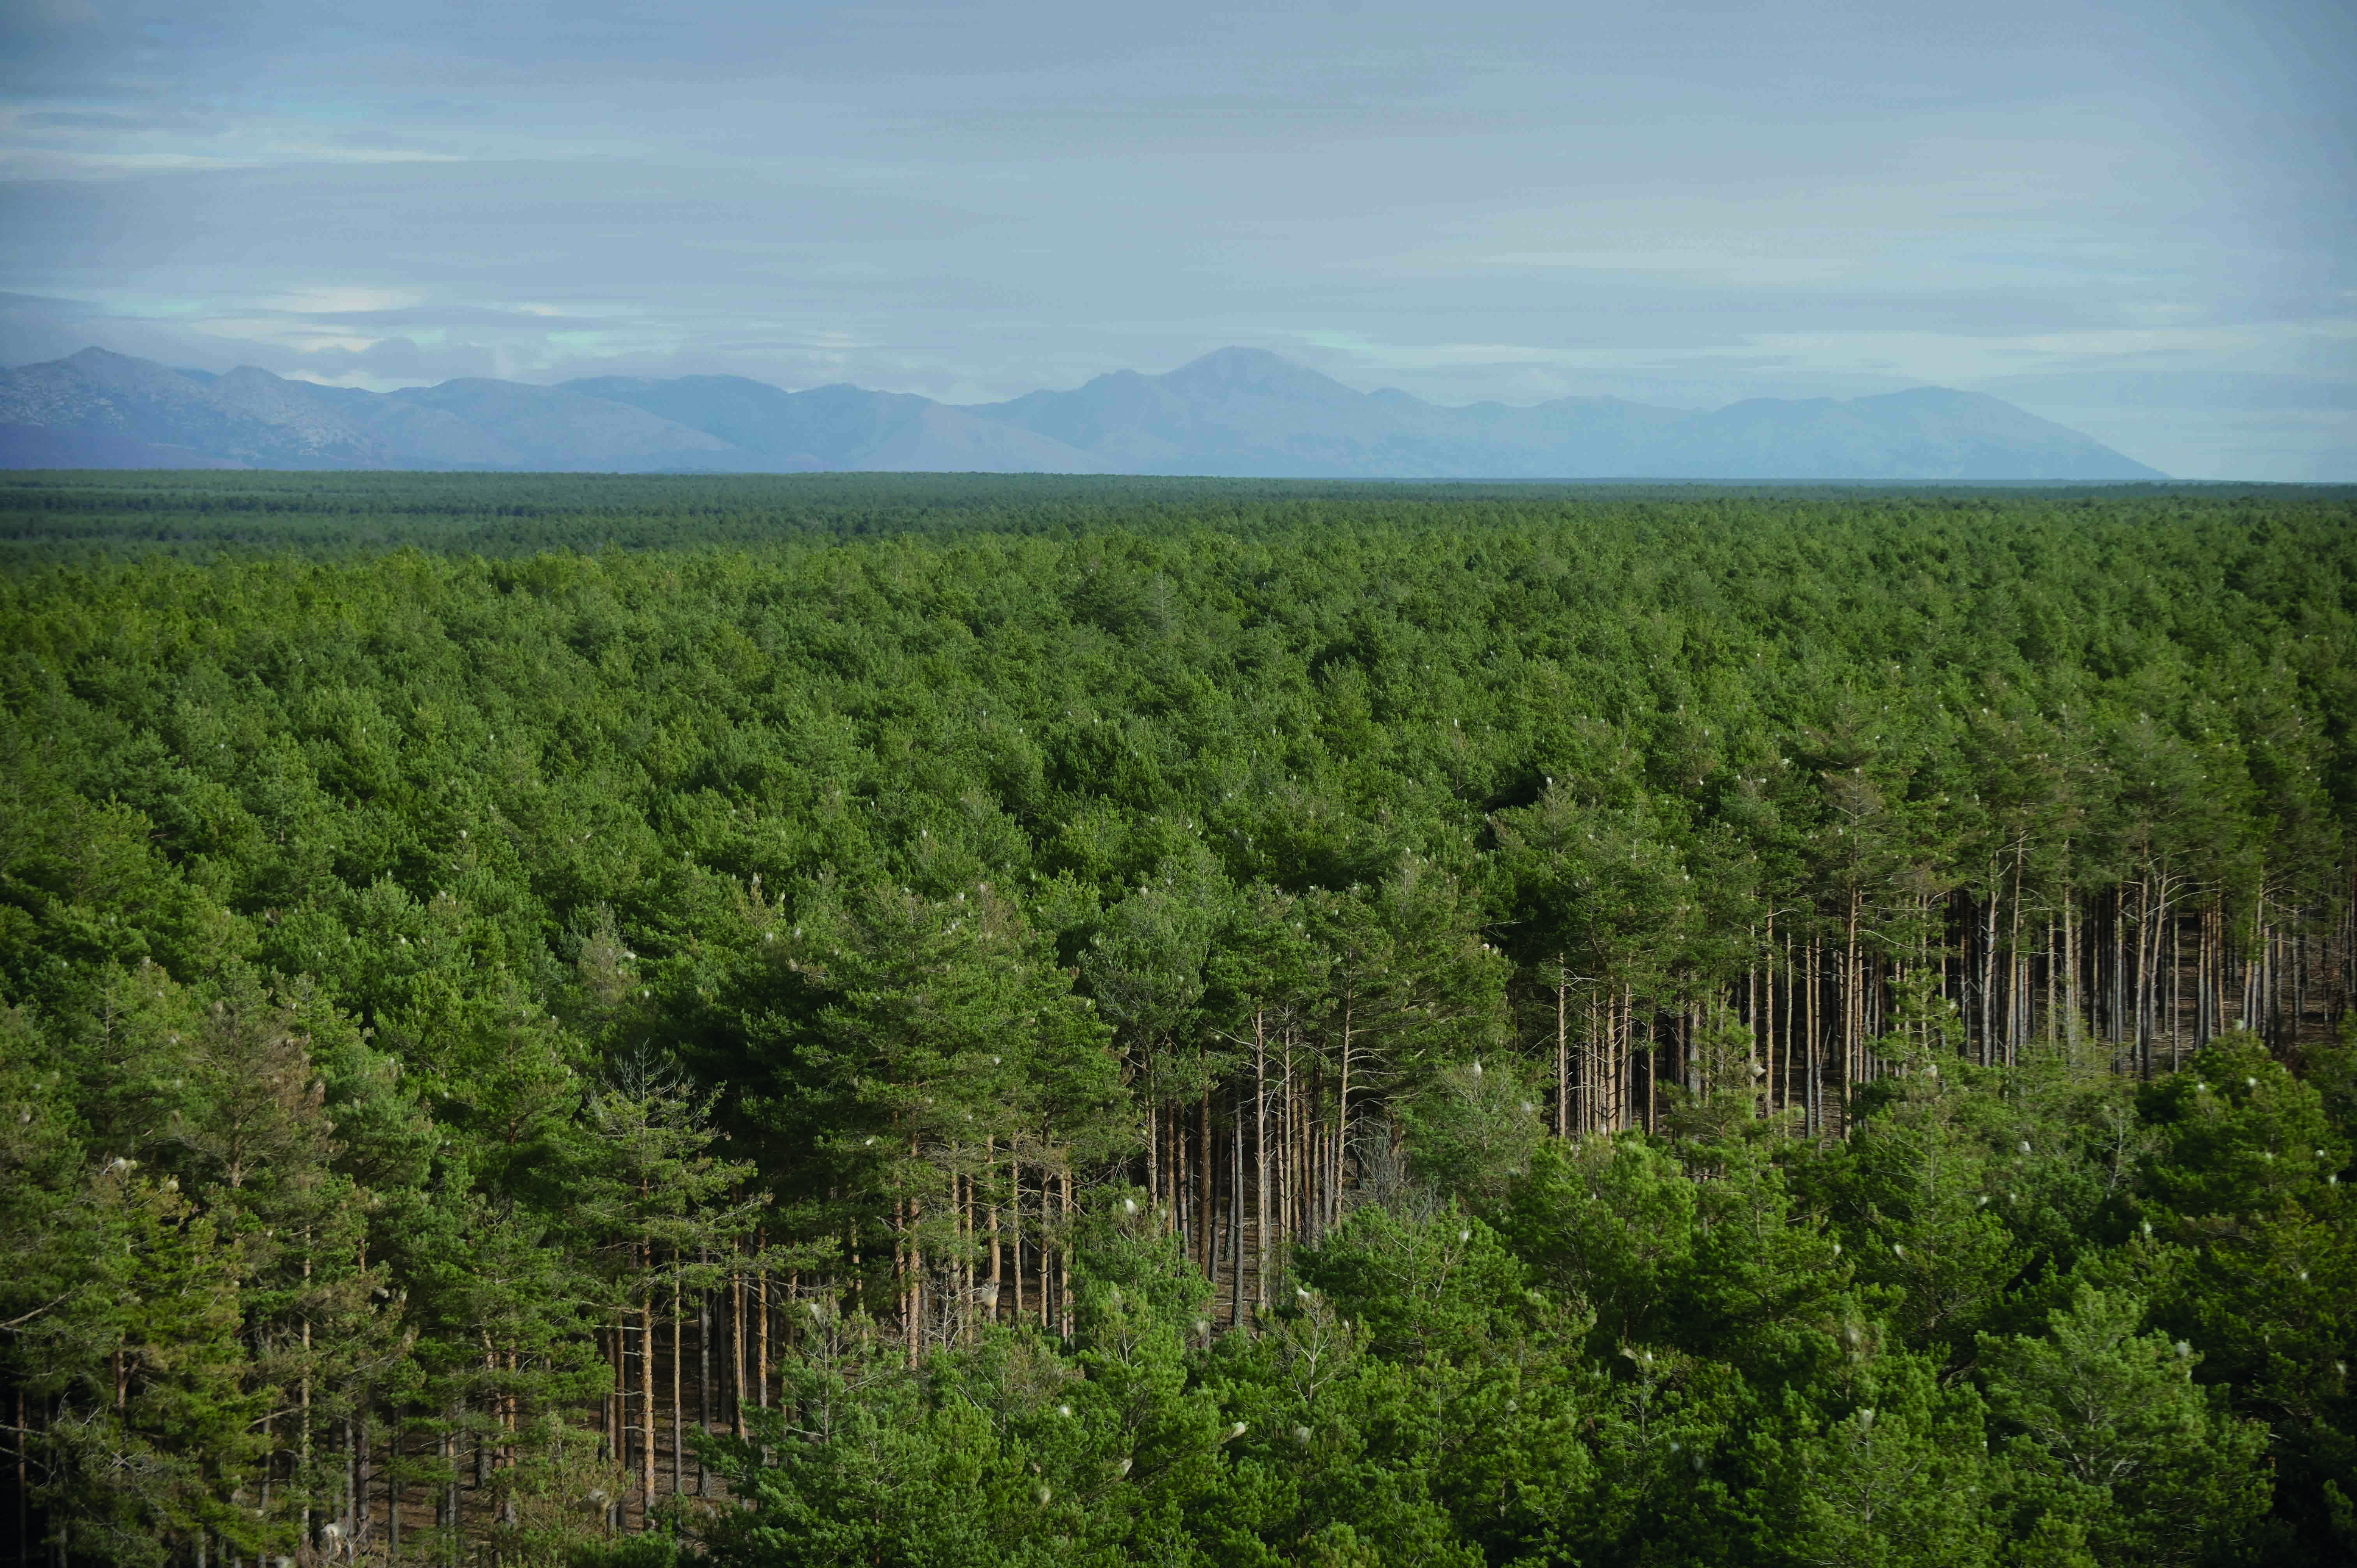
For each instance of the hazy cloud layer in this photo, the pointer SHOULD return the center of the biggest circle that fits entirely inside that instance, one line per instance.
(2136, 220)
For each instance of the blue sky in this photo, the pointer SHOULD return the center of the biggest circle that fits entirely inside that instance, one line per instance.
(2138, 220)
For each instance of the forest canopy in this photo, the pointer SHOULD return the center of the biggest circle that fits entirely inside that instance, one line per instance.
(944, 1021)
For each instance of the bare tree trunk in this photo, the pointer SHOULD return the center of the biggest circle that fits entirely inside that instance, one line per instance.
(1816, 1087)
(303, 1456)
(1687, 1075)
(678, 1407)
(916, 1287)
(1988, 979)
(393, 1484)
(2123, 971)
(647, 1404)
(363, 1461)
(1236, 1222)
(449, 1456)
(703, 1375)
(2205, 984)
(1285, 1183)
(1207, 1238)
(1604, 1018)
(1562, 1050)
(1333, 1206)
(2253, 965)
(2175, 982)
(1181, 1182)
(2148, 958)
(737, 1347)
(1652, 1066)
(1619, 1035)
(2049, 975)
(1596, 1090)
(911, 1267)
(622, 1426)
(990, 1165)
(1064, 1253)
(1846, 1000)
(2013, 959)
(1260, 1153)
(1758, 1081)
(2070, 955)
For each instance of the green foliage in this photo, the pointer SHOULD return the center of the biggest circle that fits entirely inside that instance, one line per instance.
(1898, 1479)
(2234, 1125)
(2114, 1437)
(1473, 1127)
(435, 945)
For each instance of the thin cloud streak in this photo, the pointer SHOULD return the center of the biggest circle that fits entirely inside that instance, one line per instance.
(1688, 205)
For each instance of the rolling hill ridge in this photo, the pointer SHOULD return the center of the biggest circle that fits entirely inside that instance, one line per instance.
(1236, 411)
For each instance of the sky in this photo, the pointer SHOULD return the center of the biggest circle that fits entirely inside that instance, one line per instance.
(2137, 220)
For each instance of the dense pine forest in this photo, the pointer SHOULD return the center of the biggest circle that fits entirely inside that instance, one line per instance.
(949, 1021)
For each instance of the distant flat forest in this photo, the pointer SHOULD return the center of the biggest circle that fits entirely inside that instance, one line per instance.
(950, 1020)
(70, 514)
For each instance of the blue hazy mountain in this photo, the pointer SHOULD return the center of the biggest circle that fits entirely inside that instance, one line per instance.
(1241, 411)
(839, 426)
(1237, 411)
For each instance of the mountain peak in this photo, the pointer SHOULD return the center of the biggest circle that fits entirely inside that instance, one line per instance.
(1255, 370)
(1236, 359)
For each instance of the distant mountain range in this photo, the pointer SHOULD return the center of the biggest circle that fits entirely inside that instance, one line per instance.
(1238, 412)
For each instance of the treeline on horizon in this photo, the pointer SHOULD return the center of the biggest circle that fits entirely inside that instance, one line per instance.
(1523, 1028)
(63, 517)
